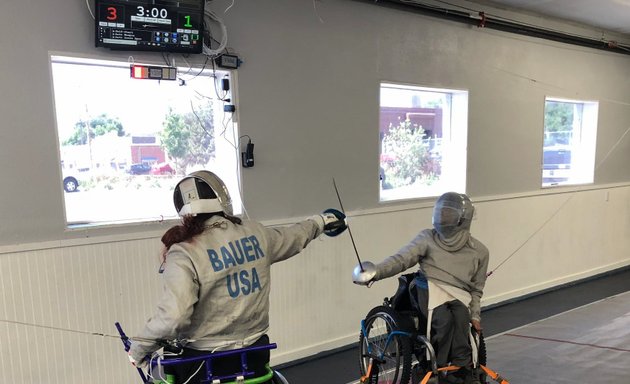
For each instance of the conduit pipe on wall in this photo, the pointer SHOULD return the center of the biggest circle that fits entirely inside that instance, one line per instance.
(483, 21)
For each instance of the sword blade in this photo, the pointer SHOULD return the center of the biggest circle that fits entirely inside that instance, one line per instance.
(349, 231)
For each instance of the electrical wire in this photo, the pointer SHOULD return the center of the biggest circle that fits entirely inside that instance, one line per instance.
(233, 141)
(206, 49)
(154, 356)
(192, 108)
(235, 144)
(100, 334)
(239, 176)
(211, 54)
(160, 371)
(317, 11)
(203, 68)
(225, 123)
(194, 373)
(544, 224)
(216, 89)
(59, 328)
(223, 98)
(612, 149)
(87, 2)
(228, 8)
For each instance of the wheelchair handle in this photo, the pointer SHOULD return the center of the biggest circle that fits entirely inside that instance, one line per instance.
(127, 345)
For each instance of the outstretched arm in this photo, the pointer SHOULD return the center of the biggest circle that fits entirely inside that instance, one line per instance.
(405, 258)
(285, 242)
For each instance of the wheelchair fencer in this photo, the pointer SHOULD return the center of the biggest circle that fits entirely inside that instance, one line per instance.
(395, 340)
(155, 370)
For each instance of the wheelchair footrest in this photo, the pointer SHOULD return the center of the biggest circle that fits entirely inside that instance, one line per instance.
(493, 375)
(427, 378)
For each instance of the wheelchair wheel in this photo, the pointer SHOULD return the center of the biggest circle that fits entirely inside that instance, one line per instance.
(481, 357)
(385, 344)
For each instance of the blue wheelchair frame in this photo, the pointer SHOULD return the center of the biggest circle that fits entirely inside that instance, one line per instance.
(243, 376)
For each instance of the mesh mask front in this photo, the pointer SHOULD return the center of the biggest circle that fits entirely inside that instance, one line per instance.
(452, 213)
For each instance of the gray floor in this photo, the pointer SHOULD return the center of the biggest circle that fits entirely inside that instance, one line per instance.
(341, 366)
(590, 344)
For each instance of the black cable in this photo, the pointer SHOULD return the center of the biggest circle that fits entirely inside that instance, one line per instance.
(216, 90)
(201, 70)
(192, 108)
(165, 57)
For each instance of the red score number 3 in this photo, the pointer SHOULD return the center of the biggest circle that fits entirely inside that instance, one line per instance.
(111, 13)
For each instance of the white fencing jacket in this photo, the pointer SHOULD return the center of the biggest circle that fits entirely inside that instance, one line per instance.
(216, 287)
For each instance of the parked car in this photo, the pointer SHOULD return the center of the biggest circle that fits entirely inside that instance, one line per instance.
(139, 169)
(556, 164)
(70, 178)
(162, 169)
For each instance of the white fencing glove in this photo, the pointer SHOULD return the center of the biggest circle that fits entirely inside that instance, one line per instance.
(364, 273)
(143, 364)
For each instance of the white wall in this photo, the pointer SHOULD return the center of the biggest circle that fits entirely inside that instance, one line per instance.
(79, 289)
(308, 97)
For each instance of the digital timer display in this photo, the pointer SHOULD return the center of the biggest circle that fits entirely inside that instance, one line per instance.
(150, 25)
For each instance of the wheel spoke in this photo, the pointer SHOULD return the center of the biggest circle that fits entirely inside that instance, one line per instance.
(389, 353)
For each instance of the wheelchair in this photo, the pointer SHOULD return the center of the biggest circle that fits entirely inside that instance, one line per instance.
(156, 373)
(395, 348)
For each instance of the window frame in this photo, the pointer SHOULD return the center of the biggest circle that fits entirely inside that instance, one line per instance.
(225, 137)
(454, 141)
(581, 169)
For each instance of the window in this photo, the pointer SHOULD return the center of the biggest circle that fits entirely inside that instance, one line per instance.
(569, 142)
(423, 133)
(124, 143)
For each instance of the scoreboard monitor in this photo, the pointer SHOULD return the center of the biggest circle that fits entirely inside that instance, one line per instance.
(150, 25)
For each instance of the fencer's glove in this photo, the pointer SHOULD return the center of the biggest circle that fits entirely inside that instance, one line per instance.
(142, 364)
(364, 273)
(334, 222)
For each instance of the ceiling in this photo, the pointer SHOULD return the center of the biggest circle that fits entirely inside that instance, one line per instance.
(612, 15)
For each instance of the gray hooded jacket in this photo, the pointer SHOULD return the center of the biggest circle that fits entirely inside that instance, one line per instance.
(216, 287)
(465, 268)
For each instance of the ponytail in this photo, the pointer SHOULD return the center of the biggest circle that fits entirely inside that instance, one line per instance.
(190, 227)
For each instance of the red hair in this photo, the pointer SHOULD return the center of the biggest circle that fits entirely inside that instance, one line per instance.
(190, 227)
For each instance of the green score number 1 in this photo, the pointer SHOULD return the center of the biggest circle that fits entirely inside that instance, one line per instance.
(187, 24)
